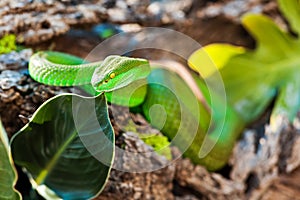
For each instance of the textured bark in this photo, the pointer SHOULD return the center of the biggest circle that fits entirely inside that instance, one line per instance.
(40, 20)
(235, 9)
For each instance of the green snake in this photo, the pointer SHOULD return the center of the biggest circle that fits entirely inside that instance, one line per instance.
(178, 110)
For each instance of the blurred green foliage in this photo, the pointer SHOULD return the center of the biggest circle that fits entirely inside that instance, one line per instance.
(8, 43)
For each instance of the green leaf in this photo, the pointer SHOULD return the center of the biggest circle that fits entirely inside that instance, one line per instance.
(248, 87)
(252, 77)
(291, 10)
(8, 175)
(288, 101)
(67, 147)
(273, 44)
(212, 57)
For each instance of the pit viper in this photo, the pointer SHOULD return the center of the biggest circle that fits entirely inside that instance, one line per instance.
(163, 97)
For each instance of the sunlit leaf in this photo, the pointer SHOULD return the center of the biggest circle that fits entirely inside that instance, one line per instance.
(8, 175)
(288, 100)
(212, 57)
(273, 44)
(67, 147)
(253, 77)
(291, 10)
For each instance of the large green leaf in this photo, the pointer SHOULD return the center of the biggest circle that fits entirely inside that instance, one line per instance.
(291, 10)
(288, 101)
(67, 147)
(7, 171)
(213, 57)
(253, 77)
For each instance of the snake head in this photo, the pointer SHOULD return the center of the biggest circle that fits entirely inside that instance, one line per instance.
(116, 72)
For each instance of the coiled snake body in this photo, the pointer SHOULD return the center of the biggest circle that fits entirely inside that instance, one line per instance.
(179, 114)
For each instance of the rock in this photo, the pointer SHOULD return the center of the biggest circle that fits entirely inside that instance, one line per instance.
(35, 21)
(235, 9)
(138, 171)
(209, 185)
(168, 10)
(154, 184)
(20, 96)
(260, 160)
(14, 60)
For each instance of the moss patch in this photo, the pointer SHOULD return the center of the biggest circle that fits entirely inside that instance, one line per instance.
(8, 43)
(160, 144)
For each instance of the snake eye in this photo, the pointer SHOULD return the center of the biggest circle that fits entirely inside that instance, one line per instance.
(112, 75)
